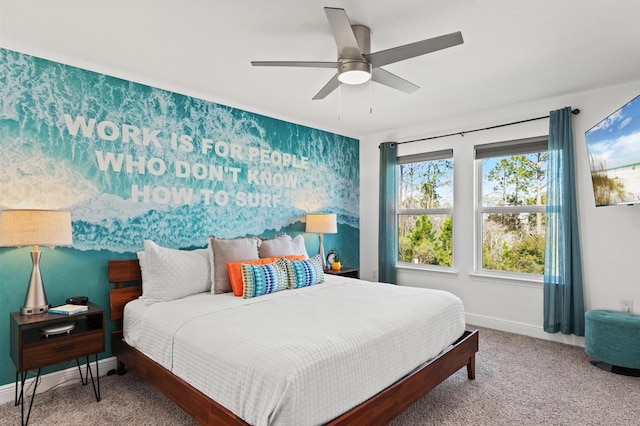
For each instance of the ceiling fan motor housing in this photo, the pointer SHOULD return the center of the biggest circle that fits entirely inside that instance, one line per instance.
(354, 71)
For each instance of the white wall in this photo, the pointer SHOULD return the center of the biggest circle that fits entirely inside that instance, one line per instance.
(610, 236)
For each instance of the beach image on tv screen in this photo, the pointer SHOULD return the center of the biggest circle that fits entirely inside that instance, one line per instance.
(613, 146)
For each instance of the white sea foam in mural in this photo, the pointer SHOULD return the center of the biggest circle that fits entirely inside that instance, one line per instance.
(133, 162)
(30, 179)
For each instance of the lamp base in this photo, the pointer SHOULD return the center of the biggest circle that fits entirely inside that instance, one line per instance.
(34, 310)
(35, 302)
(321, 253)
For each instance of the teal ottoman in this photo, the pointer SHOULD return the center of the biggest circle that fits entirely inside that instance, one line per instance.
(613, 338)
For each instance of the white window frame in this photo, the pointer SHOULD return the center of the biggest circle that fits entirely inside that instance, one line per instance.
(502, 149)
(417, 158)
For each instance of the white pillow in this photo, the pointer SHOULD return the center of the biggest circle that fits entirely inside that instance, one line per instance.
(298, 246)
(169, 274)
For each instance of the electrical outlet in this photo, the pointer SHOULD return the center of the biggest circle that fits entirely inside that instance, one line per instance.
(374, 275)
(626, 305)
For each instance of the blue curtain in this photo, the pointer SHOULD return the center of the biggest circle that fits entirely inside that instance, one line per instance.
(563, 294)
(387, 219)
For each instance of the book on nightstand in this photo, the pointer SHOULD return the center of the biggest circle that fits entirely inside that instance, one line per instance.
(68, 309)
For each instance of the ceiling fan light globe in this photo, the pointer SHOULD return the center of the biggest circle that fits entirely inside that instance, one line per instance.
(354, 77)
(354, 73)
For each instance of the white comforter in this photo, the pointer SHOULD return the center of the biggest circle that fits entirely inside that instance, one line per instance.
(297, 357)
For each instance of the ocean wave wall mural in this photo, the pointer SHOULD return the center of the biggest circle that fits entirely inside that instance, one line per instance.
(134, 162)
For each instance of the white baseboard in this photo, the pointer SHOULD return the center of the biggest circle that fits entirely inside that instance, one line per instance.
(524, 329)
(66, 377)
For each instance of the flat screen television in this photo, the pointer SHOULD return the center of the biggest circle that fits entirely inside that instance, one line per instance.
(613, 146)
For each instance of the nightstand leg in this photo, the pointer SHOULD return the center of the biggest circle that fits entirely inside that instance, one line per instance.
(83, 379)
(88, 373)
(96, 389)
(23, 378)
(17, 401)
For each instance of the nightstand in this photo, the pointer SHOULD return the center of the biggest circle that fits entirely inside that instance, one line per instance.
(31, 349)
(344, 272)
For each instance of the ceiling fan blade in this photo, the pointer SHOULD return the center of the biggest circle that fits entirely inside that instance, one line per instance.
(343, 34)
(389, 79)
(328, 88)
(400, 53)
(305, 64)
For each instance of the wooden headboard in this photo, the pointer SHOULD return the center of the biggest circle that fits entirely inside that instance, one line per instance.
(121, 273)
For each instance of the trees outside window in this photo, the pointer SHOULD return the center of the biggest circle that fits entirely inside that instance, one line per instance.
(425, 209)
(511, 206)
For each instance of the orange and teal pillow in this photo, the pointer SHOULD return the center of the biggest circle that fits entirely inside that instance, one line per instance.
(235, 270)
(259, 280)
(303, 273)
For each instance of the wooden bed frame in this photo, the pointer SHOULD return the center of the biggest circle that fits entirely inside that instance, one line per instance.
(378, 410)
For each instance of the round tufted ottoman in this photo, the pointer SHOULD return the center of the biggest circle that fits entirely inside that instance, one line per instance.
(614, 338)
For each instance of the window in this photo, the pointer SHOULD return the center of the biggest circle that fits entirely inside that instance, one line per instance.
(512, 190)
(425, 208)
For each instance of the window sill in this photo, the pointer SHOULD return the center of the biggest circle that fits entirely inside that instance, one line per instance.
(430, 269)
(511, 279)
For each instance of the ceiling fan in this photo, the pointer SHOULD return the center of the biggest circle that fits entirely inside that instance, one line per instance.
(356, 64)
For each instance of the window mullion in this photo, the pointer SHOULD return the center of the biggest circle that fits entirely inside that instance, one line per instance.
(418, 212)
(512, 209)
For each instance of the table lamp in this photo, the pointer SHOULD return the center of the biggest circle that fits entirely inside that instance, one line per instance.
(322, 224)
(20, 228)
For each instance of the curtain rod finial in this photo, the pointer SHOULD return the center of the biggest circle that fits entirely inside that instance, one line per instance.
(575, 111)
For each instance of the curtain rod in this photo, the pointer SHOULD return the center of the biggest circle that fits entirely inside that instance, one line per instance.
(575, 111)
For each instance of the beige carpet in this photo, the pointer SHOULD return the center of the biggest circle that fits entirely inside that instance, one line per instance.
(519, 381)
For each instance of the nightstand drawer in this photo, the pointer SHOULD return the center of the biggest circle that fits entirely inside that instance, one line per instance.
(57, 349)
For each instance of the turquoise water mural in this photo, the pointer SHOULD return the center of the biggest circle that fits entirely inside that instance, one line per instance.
(132, 162)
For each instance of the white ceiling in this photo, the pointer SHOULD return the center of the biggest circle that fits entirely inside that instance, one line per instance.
(513, 51)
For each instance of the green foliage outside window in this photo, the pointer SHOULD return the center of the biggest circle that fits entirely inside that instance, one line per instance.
(425, 233)
(513, 196)
(426, 242)
(514, 241)
(525, 255)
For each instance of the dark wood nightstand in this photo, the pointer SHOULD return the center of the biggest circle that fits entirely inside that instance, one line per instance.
(344, 272)
(31, 350)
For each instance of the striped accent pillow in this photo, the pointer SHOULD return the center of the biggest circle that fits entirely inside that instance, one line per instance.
(258, 280)
(303, 273)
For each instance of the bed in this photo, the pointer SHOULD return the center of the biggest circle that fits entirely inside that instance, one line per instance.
(271, 382)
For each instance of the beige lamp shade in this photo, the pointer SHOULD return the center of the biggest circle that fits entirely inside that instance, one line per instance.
(322, 223)
(35, 227)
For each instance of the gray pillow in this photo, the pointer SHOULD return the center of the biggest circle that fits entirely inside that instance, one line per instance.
(230, 250)
(282, 245)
